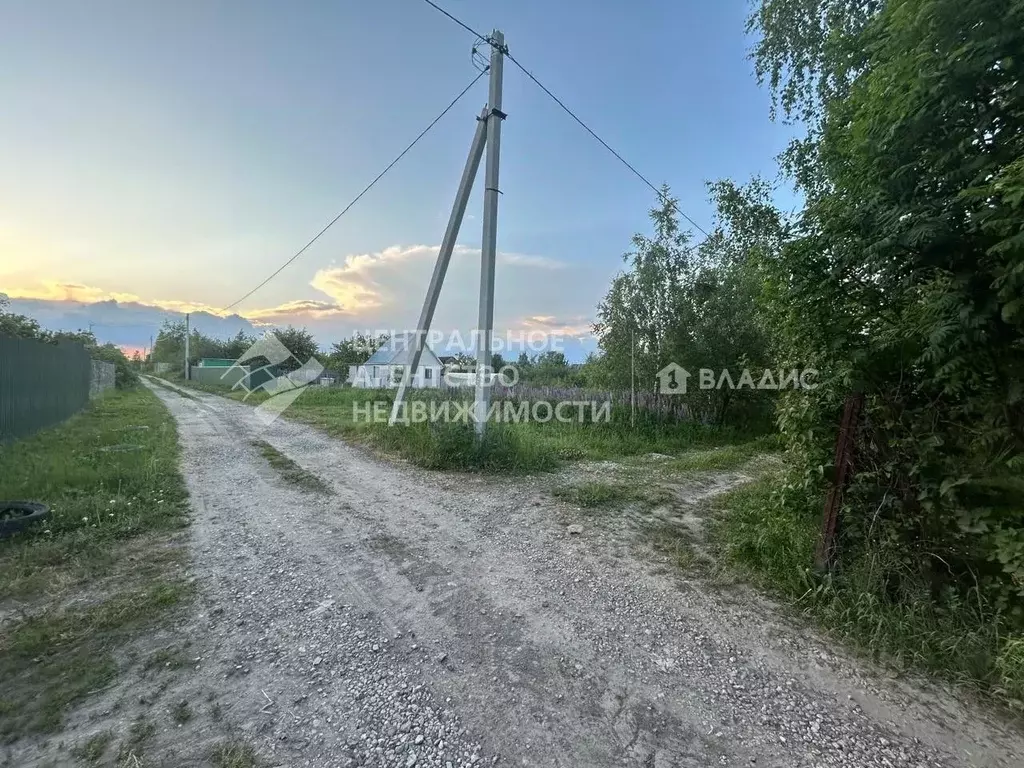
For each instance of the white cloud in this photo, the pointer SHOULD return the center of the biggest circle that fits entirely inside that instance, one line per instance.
(386, 289)
(381, 290)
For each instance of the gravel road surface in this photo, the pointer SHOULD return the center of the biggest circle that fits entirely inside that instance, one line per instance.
(409, 618)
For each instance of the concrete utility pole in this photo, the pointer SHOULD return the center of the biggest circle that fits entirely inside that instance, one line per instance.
(444, 256)
(488, 133)
(188, 333)
(484, 379)
(632, 379)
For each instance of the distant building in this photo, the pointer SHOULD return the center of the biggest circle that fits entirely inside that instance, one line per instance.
(385, 368)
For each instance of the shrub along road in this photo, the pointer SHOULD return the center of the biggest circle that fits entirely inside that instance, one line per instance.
(401, 617)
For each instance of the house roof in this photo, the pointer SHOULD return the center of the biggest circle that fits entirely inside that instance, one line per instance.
(398, 351)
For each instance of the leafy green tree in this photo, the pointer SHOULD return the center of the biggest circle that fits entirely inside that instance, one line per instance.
(638, 315)
(353, 351)
(694, 306)
(905, 279)
(592, 372)
(169, 345)
(236, 346)
(85, 338)
(300, 342)
(16, 326)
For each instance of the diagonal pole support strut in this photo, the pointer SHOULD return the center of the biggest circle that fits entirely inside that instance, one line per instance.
(444, 257)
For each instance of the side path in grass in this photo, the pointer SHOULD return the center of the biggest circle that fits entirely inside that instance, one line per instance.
(96, 664)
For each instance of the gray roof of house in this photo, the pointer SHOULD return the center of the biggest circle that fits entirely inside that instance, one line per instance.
(398, 351)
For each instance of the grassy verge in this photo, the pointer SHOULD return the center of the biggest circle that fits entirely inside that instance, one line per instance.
(596, 494)
(289, 470)
(234, 754)
(730, 456)
(772, 545)
(177, 389)
(511, 447)
(102, 567)
(177, 383)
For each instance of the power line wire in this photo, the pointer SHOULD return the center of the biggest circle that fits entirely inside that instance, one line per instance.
(366, 189)
(571, 114)
(462, 24)
(602, 142)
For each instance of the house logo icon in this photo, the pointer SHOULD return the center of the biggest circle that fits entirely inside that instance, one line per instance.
(672, 379)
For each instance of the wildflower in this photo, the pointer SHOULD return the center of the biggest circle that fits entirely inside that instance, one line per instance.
(85, 519)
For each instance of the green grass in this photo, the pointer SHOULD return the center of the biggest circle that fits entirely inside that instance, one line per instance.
(133, 747)
(176, 389)
(92, 751)
(677, 546)
(51, 661)
(234, 754)
(98, 498)
(179, 383)
(438, 445)
(772, 545)
(597, 493)
(527, 446)
(617, 439)
(106, 550)
(731, 456)
(289, 470)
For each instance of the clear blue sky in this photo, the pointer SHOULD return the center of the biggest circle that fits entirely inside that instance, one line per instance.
(179, 151)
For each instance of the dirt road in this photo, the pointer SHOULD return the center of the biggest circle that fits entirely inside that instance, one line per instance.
(411, 618)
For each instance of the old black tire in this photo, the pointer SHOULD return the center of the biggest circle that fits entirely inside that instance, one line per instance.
(18, 515)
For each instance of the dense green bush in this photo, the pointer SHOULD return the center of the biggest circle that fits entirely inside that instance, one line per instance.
(906, 281)
(956, 633)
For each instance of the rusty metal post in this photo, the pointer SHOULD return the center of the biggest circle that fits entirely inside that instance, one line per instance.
(824, 557)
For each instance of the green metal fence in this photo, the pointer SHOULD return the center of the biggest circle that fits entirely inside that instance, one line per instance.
(40, 385)
(219, 375)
